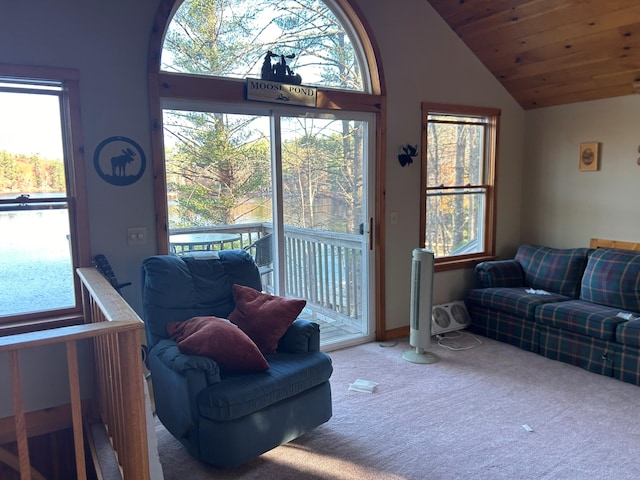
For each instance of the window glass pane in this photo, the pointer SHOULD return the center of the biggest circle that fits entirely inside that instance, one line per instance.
(232, 38)
(31, 148)
(323, 162)
(443, 117)
(455, 154)
(455, 222)
(218, 169)
(36, 270)
(322, 168)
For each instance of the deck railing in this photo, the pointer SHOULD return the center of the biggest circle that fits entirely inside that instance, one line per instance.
(326, 269)
(115, 330)
(323, 267)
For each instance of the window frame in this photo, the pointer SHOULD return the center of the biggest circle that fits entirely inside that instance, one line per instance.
(76, 194)
(488, 182)
(179, 87)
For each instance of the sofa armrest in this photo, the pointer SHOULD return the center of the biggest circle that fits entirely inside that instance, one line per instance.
(500, 273)
(177, 378)
(302, 336)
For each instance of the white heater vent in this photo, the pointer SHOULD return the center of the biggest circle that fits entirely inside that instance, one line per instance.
(449, 317)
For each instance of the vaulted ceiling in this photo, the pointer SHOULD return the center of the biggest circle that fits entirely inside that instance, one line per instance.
(552, 52)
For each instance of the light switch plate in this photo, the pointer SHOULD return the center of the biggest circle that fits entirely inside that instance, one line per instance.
(136, 236)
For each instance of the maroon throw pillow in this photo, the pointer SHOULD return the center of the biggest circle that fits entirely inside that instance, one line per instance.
(219, 339)
(264, 318)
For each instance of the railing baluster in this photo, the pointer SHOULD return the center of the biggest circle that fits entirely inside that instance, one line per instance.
(76, 409)
(18, 408)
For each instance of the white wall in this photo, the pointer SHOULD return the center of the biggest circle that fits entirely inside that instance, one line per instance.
(424, 60)
(565, 207)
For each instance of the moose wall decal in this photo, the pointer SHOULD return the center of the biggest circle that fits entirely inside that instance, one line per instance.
(114, 159)
(119, 163)
(410, 151)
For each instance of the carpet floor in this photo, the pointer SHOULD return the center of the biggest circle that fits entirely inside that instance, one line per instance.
(464, 417)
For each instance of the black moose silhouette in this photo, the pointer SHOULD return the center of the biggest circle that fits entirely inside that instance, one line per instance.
(409, 152)
(119, 163)
(280, 71)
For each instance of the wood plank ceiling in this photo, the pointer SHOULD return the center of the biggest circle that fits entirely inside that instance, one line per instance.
(552, 52)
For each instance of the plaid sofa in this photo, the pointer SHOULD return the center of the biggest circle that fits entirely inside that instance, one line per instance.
(580, 306)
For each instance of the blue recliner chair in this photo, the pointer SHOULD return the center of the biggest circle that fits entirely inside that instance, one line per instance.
(222, 418)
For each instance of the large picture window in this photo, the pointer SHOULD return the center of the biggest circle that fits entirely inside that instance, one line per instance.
(293, 185)
(42, 201)
(459, 182)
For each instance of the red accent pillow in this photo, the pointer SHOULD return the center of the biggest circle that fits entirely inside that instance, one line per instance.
(219, 339)
(264, 318)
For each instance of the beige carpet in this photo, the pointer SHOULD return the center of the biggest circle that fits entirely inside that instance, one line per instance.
(460, 418)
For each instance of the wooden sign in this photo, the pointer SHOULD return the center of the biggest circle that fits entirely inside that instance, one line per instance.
(266, 91)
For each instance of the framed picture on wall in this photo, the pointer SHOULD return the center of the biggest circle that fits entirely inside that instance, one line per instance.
(588, 156)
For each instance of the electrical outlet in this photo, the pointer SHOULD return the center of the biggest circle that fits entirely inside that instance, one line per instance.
(394, 218)
(136, 236)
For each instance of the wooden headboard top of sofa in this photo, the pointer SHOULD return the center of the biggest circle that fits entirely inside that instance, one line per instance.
(600, 242)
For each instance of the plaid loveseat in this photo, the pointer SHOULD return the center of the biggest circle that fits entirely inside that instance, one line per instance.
(578, 305)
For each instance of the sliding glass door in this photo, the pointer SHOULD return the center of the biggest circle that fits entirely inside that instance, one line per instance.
(290, 189)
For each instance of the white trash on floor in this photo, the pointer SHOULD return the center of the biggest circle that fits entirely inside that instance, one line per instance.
(365, 386)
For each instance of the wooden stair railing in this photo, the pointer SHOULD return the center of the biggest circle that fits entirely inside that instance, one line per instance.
(119, 391)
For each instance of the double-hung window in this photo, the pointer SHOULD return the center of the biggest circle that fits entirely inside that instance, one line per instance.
(458, 183)
(43, 210)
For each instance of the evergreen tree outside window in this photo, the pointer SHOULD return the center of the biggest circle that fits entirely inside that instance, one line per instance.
(231, 38)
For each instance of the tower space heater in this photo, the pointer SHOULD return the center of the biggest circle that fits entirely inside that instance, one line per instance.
(421, 305)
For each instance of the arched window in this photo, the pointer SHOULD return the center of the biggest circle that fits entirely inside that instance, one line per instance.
(305, 179)
(231, 39)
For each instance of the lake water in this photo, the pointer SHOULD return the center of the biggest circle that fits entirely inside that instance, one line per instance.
(35, 261)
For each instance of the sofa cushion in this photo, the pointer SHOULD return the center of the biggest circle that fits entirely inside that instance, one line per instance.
(220, 340)
(612, 278)
(515, 301)
(240, 395)
(581, 317)
(628, 333)
(264, 318)
(554, 270)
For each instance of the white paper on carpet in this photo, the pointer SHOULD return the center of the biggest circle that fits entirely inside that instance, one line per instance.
(365, 386)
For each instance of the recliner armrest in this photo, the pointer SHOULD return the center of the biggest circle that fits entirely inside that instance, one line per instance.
(170, 355)
(302, 336)
(177, 379)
